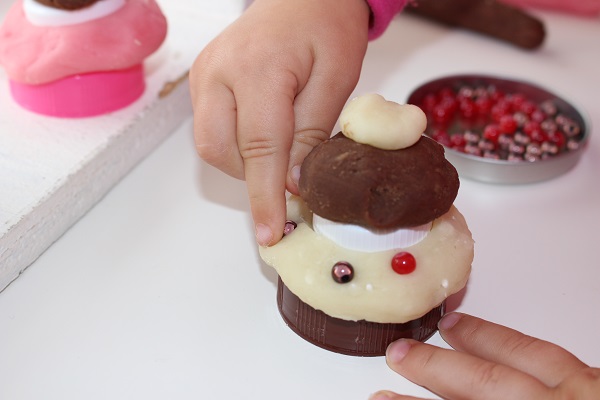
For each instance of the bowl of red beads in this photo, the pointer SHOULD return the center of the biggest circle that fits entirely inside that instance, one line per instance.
(502, 130)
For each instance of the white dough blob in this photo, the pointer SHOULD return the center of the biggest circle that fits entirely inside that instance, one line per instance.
(371, 119)
(42, 15)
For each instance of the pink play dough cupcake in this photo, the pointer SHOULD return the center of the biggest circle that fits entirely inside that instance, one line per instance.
(79, 58)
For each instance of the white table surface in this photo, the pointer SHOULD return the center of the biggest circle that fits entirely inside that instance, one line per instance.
(158, 292)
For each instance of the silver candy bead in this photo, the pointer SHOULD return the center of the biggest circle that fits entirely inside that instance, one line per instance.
(486, 145)
(342, 272)
(572, 144)
(514, 157)
(472, 149)
(491, 155)
(522, 138)
(549, 125)
(520, 118)
(504, 141)
(531, 157)
(549, 148)
(571, 129)
(549, 107)
(516, 148)
(534, 149)
(289, 227)
(471, 137)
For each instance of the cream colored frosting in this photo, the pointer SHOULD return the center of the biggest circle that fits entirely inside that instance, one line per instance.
(304, 260)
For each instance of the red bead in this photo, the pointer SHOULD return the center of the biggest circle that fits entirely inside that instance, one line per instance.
(441, 136)
(557, 138)
(531, 126)
(483, 105)
(535, 132)
(499, 110)
(495, 93)
(507, 124)
(467, 108)
(492, 132)
(538, 116)
(429, 101)
(442, 115)
(445, 92)
(517, 100)
(404, 263)
(457, 140)
(528, 107)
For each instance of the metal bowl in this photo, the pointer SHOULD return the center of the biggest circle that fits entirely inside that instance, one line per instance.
(502, 171)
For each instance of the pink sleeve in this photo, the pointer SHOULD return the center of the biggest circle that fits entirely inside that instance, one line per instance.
(382, 12)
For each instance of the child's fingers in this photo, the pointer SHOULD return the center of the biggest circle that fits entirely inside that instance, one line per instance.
(546, 361)
(455, 375)
(319, 104)
(215, 123)
(387, 395)
(264, 137)
(315, 118)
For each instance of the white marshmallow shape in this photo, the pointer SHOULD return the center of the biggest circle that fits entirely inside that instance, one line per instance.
(358, 238)
(371, 119)
(41, 15)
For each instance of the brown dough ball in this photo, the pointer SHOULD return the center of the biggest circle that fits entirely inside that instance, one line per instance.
(349, 182)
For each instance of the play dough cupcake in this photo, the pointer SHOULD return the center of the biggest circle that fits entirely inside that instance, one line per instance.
(373, 245)
(79, 58)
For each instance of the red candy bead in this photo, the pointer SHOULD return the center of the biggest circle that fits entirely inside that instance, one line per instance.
(429, 101)
(499, 110)
(492, 132)
(442, 115)
(404, 263)
(457, 140)
(483, 105)
(467, 109)
(528, 107)
(557, 138)
(507, 124)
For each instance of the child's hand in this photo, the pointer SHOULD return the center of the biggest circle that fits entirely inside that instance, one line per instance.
(491, 362)
(270, 88)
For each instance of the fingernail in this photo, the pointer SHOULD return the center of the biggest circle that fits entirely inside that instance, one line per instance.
(295, 174)
(448, 321)
(263, 233)
(382, 395)
(397, 350)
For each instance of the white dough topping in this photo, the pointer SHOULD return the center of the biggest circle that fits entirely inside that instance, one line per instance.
(372, 120)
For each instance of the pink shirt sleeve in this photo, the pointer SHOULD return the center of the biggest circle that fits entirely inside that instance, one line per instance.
(382, 12)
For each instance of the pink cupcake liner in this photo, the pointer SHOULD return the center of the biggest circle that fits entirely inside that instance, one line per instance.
(83, 95)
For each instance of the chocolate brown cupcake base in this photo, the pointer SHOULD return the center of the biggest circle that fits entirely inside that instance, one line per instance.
(355, 338)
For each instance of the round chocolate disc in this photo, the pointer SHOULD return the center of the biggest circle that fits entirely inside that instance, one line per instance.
(355, 338)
